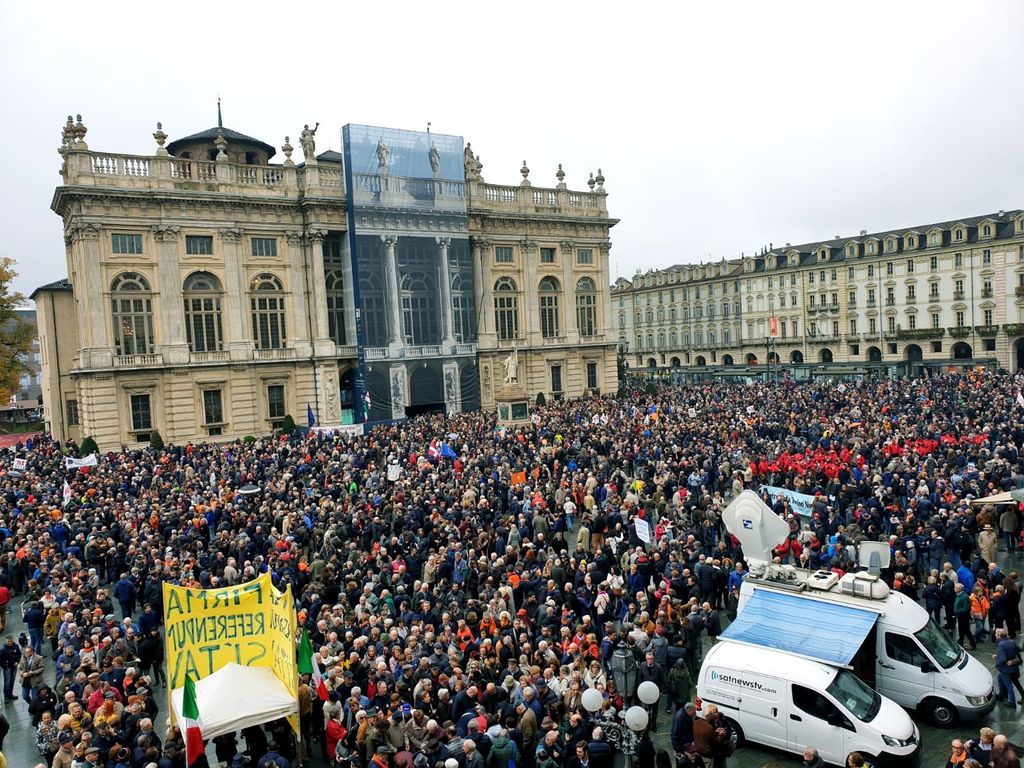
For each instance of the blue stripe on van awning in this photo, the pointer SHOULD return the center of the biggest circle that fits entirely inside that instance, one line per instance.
(810, 628)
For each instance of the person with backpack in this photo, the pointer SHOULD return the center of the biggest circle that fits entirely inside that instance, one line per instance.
(504, 752)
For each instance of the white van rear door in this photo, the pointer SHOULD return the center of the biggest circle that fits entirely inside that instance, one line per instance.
(765, 711)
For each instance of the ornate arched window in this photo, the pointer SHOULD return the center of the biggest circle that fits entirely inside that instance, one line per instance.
(267, 302)
(335, 279)
(203, 329)
(549, 320)
(419, 308)
(131, 305)
(586, 307)
(506, 308)
(464, 328)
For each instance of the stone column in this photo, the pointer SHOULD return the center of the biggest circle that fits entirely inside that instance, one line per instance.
(299, 328)
(323, 345)
(530, 305)
(604, 310)
(447, 315)
(398, 379)
(393, 293)
(237, 334)
(172, 311)
(90, 293)
(569, 329)
(452, 395)
(483, 287)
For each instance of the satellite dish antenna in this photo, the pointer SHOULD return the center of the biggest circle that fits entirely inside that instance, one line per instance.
(875, 555)
(757, 527)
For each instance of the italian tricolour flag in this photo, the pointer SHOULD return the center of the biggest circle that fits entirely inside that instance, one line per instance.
(308, 665)
(192, 727)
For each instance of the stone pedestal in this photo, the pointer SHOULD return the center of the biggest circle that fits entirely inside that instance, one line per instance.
(513, 403)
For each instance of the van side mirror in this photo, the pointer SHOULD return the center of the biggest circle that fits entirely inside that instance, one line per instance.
(927, 666)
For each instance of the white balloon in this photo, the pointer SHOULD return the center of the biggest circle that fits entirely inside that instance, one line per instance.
(592, 699)
(636, 718)
(648, 692)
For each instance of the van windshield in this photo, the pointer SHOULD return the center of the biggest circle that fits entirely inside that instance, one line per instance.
(862, 702)
(938, 644)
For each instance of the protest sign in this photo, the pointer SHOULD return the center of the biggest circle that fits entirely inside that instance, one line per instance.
(801, 503)
(643, 530)
(251, 624)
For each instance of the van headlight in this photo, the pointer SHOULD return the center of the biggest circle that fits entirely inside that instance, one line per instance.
(977, 701)
(894, 742)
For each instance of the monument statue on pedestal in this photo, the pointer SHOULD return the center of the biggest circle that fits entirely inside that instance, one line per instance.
(383, 155)
(511, 364)
(435, 160)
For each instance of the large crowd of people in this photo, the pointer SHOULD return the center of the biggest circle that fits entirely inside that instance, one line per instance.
(460, 611)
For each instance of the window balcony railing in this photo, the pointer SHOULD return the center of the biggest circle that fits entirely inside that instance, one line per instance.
(921, 333)
(958, 295)
(282, 353)
(215, 356)
(136, 361)
(1019, 291)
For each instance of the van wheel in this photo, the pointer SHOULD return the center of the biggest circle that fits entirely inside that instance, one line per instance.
(941, 713)
(740, 740)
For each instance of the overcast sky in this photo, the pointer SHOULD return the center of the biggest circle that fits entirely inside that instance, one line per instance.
(719, 126)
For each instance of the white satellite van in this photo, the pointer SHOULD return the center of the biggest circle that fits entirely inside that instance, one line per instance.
(788, 702)
(854, 623)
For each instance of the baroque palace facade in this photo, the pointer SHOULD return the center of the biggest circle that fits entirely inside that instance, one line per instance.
(932, 296)
(211, 293)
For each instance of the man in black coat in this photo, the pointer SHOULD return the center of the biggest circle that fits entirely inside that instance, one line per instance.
(651, 671)
(682, 727)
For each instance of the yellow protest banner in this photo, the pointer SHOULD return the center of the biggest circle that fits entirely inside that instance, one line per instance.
(281, 632)
(251, 624)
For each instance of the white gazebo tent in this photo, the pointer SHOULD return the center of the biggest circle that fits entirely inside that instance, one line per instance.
(1006, 497)
(235, 697)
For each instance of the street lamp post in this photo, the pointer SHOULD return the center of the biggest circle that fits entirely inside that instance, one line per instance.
(624, 670)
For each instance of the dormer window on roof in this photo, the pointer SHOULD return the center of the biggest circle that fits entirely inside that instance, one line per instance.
(890, 245)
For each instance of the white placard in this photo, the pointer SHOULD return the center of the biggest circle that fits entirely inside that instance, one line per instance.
(643, 530)
(394, 472)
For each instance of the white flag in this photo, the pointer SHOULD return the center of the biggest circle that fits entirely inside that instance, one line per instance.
(67, 493)
(20, 463)
(1020, 399)
(89, 461)
(751, 409)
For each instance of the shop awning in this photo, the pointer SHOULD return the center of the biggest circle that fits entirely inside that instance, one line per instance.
(814, 629)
